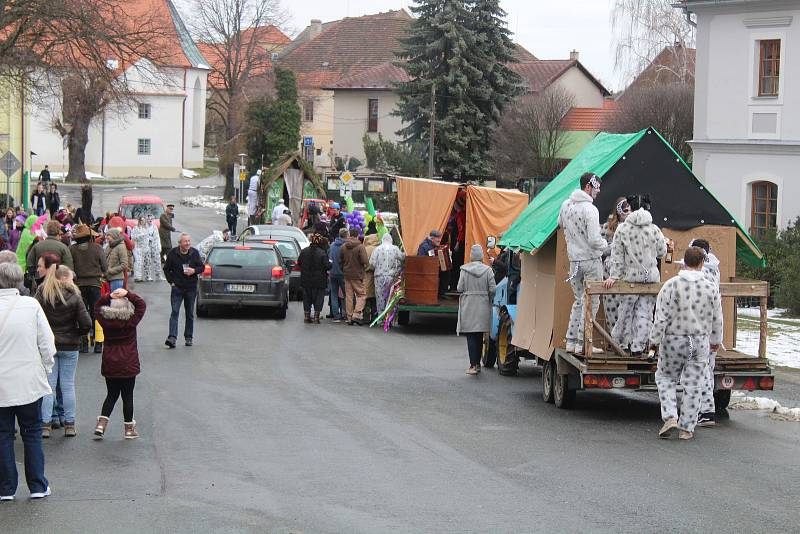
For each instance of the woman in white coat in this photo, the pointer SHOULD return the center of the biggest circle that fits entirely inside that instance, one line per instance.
(477, 286)
(27, 348)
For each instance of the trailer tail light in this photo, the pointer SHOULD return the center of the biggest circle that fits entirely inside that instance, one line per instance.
(766, 382)
(610, 382)
(749, 384)
(589, 381)
(603, 382)
(277, 273)
(632, 381)
(206, 271)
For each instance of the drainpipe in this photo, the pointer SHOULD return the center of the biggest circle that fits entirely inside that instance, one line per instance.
(24, 177)
(183, 122)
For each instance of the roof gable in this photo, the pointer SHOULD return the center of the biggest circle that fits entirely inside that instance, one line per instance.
(175, 46)
(541, 73)
(680, 200)
(268, 39)
(674, 64)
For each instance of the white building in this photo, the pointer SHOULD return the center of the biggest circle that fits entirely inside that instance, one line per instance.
(160, 133)
(747, 109)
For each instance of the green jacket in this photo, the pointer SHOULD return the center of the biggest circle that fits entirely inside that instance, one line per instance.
(51, 244)
(26, 239)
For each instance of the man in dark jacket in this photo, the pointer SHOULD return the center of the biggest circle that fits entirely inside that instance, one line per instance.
(181, 268)
(51, 244)
(337, 221)
(336, 276)
(430, 243)
(314, 265)
(90, 266)
(232, 215)
(165, 230)
(44, 176)
(354, 262)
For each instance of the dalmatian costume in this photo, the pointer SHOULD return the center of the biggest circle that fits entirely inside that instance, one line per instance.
(637, 243)
(711, 273)
(610, 302)
(688, 320)
(581, 223)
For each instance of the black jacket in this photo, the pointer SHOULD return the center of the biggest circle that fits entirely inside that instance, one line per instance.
(173, 268)
(336, 223)
(53, 202)
(231, 213)
(314, 265)
(69, 321)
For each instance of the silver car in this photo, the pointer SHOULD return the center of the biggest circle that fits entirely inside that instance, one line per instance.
(272, 231)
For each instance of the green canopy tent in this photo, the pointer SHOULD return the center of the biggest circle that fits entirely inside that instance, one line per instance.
(637, 163)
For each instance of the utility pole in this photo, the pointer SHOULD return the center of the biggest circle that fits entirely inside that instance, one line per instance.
(433, 130)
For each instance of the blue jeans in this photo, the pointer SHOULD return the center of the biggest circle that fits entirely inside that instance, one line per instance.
(187, 297)
(337, 305)
(116, 284)
(63, 374)
(30, 428)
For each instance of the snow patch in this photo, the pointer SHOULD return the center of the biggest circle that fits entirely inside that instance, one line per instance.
(211, 202)
(783, 339)
(777, 412)
(188, 173)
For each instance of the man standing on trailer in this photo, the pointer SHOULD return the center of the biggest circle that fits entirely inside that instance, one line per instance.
(580, 221)
(688, 326)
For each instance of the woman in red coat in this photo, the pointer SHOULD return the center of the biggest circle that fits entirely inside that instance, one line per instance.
(118, 314)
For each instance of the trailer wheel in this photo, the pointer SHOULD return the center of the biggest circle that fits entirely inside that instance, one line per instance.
(548, 374)
(563, 395)
(488, 354)
(722, 398)
(403, 317)
(507, 360)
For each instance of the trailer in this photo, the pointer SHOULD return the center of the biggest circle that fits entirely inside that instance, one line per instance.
(531, 322)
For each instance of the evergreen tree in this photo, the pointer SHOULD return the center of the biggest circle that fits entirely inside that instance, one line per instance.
(274, 124)
(457, 51)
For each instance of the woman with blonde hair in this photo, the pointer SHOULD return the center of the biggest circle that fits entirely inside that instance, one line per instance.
(609, 228)
(69, 320)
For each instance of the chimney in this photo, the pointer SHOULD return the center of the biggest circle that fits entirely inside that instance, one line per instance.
(573, 56)
(316, 28)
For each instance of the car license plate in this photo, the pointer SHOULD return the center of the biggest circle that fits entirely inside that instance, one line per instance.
(240, 288)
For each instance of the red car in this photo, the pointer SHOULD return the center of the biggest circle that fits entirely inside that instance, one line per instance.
(133, 207)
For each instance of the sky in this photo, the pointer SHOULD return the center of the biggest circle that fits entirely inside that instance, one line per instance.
(549, 29)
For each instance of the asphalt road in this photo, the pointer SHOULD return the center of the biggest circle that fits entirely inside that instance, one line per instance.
(277, 426)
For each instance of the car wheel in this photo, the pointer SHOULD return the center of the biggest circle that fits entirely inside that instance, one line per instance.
(563, 395)
(548, 376)
(506, 356)
(280, 313)
(201, 311)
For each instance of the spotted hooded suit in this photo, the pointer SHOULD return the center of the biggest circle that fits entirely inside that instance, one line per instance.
(610, 302)
(688, 320)
(637, 245)
(581, 223)
(712, 274)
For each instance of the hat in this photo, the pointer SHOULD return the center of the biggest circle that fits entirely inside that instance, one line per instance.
(170, 205)
(476, 253)
(21, 219)
(83, 230)
(335, 206)
(435, 233)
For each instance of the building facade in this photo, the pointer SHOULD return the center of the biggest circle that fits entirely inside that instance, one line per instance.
(747, 114)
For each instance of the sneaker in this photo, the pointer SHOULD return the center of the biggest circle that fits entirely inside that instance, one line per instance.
(189, 342)
(597, 350)
(69, 430)
(46, 429)
(98, 347)
(472, 371)
(170, 342)
(6, 498)
(570, 346)
(685, 435)
(41, 495)
(55, 424)
(666, 430)
(706, 420)
(357, 321)
(478, 368)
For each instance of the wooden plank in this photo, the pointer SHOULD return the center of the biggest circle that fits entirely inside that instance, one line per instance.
(762, 330)
(752, 288)
(609, 339)
(749, 288)
(587, 326)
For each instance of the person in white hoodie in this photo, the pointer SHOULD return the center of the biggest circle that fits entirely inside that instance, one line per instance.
(688, 326)
(252, 197)
(27, 348)
(278, 210)
(580, 221)
(638, 243)
(712, 274)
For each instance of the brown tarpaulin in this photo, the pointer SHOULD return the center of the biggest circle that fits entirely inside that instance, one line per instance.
(424, 205)
(490, 212)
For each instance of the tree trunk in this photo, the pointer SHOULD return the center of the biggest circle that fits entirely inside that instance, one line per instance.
(77, 140)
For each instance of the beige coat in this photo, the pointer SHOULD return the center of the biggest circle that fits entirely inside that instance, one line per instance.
(117, 260)
(371, 242)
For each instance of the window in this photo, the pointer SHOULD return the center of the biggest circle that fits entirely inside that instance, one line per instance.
(144, 147)
(308, 111)
(372, 114)
(134, 211)
(144, 111)
(764, 209)
(274, 56)
(769, 63)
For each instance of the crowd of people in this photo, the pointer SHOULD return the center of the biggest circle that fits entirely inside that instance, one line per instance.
(682, 325)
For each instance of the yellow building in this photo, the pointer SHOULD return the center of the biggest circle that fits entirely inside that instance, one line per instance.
(14, 143)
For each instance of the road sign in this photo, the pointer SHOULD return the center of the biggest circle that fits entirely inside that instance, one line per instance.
(308, 141)
(242, 176)
(9, 164)
(346, 177)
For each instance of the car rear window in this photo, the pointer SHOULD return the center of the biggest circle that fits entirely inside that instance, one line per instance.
(288, 250)
(251, 257)
(134, 211)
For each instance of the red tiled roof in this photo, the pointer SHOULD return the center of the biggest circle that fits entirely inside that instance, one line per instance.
(384, 76)
(666, 68)
(173, 46)
(347, 47)
(539, 74)
(590, 119)
(269, 39)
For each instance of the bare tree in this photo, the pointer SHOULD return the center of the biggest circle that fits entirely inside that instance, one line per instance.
(232, 36)
(529, 139)
(645, 28)
(667, 108)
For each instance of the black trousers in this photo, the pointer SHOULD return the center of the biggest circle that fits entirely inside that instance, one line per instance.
(90, 294)
(232, 227)
(475, 347)
(315, 297)
(115, 388)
